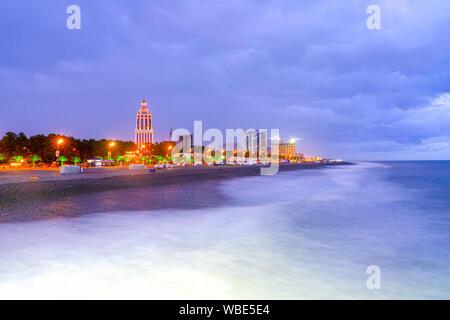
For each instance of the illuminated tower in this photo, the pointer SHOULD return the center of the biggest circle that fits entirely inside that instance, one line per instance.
(144, 129)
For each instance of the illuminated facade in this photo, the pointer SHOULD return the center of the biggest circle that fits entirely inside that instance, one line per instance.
(287, 150)
(144, 128)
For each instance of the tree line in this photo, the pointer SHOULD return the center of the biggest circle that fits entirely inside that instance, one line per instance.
(43, 147)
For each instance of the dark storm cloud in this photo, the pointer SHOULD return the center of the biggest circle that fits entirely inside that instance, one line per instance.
(310, 68)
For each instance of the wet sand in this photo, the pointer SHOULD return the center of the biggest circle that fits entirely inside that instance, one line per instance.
(104, 190)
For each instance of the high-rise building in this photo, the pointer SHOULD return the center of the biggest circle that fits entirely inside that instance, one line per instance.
(144, 127)
(256, 143)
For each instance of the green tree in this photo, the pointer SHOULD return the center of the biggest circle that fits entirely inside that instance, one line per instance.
(16, 159)
(44, 147)
(119, 160)
(8, 144)
(35, 158)
(22, 143)
(62, 159)
(76, 160)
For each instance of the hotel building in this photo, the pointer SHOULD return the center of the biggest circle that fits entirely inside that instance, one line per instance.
(144, 128)
(288, 150)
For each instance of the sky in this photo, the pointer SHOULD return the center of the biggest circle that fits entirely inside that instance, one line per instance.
(312, 69)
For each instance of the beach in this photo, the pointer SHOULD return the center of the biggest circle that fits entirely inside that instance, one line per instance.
(97, 190)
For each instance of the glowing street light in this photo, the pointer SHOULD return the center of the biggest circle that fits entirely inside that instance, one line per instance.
(168, 150)
(112, 144)
(60, 141)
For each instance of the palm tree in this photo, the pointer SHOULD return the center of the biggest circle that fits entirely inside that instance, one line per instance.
(35, 158)
(119, 160)
(2, 158)
(62, 159)
(16, 159)
(76, 160)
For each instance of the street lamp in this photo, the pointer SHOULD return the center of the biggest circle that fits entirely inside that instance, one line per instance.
(60, 141)
(168, 150)
(112, 144)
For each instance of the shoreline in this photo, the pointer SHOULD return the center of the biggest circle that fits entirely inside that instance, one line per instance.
(68, 196)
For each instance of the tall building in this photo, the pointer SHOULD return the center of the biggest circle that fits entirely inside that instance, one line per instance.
(144, 128)
(256, 143)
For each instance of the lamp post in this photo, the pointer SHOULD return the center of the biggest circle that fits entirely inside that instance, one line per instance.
(60, 141)
(112, 144)
(168, 150)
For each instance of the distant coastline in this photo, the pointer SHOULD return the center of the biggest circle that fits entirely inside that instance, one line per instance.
(72, 195)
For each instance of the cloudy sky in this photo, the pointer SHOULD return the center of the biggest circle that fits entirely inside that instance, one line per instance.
(310, 68)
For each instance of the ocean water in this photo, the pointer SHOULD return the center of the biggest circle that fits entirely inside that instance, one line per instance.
(308, 234)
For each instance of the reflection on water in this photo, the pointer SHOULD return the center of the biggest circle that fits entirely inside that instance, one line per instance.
(302, 234)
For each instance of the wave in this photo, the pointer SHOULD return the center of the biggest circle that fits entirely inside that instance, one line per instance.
(301, 234)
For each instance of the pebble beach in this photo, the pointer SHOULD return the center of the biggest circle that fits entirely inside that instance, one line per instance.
(27, 195)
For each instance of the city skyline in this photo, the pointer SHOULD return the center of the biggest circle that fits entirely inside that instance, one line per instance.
(225, 158)
(313, 70)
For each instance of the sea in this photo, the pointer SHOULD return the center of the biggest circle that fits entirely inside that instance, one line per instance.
(373, 230)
